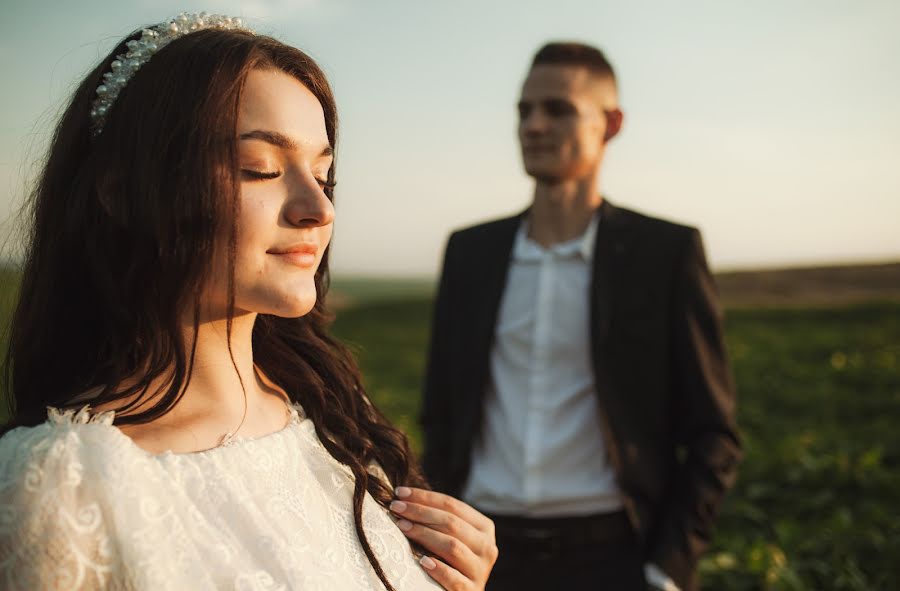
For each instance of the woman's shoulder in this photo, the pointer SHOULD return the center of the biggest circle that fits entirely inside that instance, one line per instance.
(58, 481)
(59, 450)
(60, 425)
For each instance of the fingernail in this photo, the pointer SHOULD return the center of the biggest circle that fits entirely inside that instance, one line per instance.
(427, 562)
(402, 491)
(404, 525)
(398, 506)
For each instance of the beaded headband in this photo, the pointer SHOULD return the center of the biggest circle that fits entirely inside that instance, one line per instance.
(141, 50)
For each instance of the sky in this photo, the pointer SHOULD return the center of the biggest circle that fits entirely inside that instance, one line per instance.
(772, 125)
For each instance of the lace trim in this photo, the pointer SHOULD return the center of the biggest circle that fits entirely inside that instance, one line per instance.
(81, 417)
(295, 414)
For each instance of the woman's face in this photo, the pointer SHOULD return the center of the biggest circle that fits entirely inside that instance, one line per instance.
(285, 218)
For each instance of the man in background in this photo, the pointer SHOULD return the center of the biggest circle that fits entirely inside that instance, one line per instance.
(578, 390)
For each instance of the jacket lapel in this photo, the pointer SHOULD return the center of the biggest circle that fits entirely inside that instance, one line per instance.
(494, 257)
(609, 252)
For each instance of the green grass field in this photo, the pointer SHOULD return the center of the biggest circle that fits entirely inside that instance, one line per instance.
(816, 505)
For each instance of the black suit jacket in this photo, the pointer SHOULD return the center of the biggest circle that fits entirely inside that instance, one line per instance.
(665, 388)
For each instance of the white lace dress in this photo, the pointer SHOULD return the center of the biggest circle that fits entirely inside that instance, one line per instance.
(83, 507)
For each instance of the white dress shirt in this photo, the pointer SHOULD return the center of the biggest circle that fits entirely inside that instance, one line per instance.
(541, 453)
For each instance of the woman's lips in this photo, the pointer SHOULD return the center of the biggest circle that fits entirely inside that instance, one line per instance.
(303, 255)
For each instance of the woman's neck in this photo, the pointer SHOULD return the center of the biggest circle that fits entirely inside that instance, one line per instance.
(224, 395)
(222, 372)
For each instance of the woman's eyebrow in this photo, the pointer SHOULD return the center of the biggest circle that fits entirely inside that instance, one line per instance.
(272, 137)
(279, 140)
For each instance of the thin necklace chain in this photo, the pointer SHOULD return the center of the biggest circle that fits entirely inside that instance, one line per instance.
(229, 435)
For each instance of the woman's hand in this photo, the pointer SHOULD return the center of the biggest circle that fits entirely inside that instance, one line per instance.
(460, 538)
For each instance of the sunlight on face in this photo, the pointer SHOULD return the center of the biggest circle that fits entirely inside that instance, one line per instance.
(285, 218)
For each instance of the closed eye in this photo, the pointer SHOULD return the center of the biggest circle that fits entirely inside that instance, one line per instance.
(257, 175)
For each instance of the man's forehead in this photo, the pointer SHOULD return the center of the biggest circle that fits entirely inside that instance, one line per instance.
(556, 80)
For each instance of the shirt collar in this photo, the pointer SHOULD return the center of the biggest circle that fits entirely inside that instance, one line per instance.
(526, 249)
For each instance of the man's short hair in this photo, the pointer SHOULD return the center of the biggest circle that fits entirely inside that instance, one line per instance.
(570, 53)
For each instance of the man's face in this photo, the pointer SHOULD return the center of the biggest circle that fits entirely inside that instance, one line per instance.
(562, 124)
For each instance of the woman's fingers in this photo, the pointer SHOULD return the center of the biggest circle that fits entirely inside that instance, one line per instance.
(459, 535)
(451, 550)
(442, 521)
(447, 577)
(448, 504)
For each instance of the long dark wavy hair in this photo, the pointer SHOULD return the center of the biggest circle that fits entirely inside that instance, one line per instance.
(121, 233)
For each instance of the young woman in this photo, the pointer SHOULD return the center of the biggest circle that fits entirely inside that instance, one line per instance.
(181, 417)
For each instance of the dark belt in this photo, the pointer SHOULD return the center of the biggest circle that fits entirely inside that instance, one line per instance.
(546, 537)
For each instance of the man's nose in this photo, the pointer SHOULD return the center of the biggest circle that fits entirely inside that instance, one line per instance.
(534, 122)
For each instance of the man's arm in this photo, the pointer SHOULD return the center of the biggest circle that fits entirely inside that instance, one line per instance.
(435, 416)
(705, 420)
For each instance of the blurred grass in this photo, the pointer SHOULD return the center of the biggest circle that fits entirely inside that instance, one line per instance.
(348, 291)
(390, 341)
(816, 503)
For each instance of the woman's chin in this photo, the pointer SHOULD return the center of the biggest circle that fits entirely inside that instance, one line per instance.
(288, 301)
(296, 307)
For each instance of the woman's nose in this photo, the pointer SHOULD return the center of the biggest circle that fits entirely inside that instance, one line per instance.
(308, 206)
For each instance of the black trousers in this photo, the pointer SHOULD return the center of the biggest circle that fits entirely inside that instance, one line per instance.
(598, 553)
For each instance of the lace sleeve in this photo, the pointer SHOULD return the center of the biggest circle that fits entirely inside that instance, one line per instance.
(54, 531)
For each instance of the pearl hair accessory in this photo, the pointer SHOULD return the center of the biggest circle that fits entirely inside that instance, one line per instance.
(141, 50)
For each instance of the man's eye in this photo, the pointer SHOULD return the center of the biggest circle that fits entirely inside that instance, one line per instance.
(524, 111)
(559, 108)
(259, 174)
